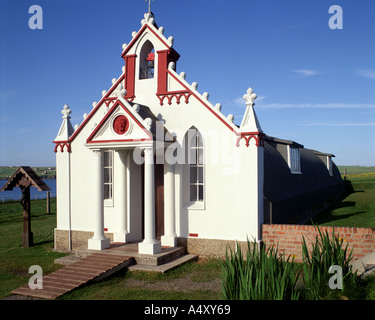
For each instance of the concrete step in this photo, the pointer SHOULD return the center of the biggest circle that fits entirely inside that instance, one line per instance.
(167, 254)
(164, 267)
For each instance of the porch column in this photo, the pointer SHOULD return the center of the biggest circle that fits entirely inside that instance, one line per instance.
(170, 238)
(98, 241)
(122, 226)
(149, 245)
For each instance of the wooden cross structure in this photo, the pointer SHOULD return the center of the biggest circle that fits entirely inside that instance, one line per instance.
(24, 178)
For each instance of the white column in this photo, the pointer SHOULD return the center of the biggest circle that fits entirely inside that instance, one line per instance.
(149, 245)
(98, 241)
(121, 201)
(169, 238)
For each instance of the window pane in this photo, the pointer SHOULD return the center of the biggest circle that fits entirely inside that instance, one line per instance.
(193, 138)
(200, 193)
(106, 191)
(199, 139)
(107, 158)
(193, 193)
(107, 175)
(200, 174)
(200, 156)
(193, 174)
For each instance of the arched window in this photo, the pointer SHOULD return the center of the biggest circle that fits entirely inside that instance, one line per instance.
(196, 165)
(147, 61)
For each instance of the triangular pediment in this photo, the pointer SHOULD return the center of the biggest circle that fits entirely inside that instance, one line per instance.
(120, 124)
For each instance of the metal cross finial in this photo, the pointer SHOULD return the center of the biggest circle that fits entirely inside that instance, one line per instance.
(149, 5)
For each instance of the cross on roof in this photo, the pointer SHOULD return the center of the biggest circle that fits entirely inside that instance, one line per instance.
(149, 5)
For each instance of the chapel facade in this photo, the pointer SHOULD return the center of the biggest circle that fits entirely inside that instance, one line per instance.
(155, 162)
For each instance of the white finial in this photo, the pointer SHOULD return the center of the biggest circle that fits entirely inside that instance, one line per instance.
(134, 33)
(161, 30)
(124, 45)
(120, 91)
(94, 104)
(218, 106)
(76, 126)
(147, 123)
(172, 65)
(230, 117)
(114, 80)
(136, 108)
(171, 40)
(249, 97)
(104, 92)
(183, 75)
(85, 116)
(66, 112)
(205, 95)
(194, 85)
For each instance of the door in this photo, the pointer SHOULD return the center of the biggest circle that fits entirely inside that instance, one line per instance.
(159, 200)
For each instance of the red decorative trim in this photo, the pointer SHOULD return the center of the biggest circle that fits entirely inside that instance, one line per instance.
(258, 136)
(138, 36)
(176, 94)
(62, 144)
(105, 229)
(92, 113)
(193, 235)
(108, 114)
(121, 124)
(130, 76)
(205, 104)
(164, 58)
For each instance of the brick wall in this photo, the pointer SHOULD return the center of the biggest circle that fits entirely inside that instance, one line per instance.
(289, 238)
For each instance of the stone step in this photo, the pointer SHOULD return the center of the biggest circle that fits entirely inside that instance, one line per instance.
(164, 267)
(167, 254)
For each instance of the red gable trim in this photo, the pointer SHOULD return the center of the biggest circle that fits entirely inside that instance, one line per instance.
(91, 114)
(108, 114)
(135, 39)
(205, 104)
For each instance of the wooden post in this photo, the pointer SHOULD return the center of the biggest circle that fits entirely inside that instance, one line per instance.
(48, 203)
(27, 235)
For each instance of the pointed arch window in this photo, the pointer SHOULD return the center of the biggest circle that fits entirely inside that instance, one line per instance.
(196, 166)
(147, 61)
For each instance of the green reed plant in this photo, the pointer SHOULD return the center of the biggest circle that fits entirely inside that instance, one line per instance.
(259, 274)
(325, 252)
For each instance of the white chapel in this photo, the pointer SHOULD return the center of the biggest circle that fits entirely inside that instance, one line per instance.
(154, 162)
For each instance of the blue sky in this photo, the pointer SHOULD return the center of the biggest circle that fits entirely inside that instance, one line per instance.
(315, 85)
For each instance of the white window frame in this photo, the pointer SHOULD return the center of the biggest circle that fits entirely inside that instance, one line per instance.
(108, 202)
(294, 160)
(194, 149)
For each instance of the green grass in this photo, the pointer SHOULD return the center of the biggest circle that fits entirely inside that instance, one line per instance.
(356, 210)
(356, 169)
(115, 288)
(15, 260)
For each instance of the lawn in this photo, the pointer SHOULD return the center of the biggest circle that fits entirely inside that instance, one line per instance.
(357, 209)
(195, 280)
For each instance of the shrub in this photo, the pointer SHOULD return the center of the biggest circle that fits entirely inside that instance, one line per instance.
(260, 274)
(326, 252)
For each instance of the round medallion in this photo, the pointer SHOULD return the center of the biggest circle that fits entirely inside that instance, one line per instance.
(120, 125)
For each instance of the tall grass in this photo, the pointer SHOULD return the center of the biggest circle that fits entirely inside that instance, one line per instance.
(325, 252)
(260, 274)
